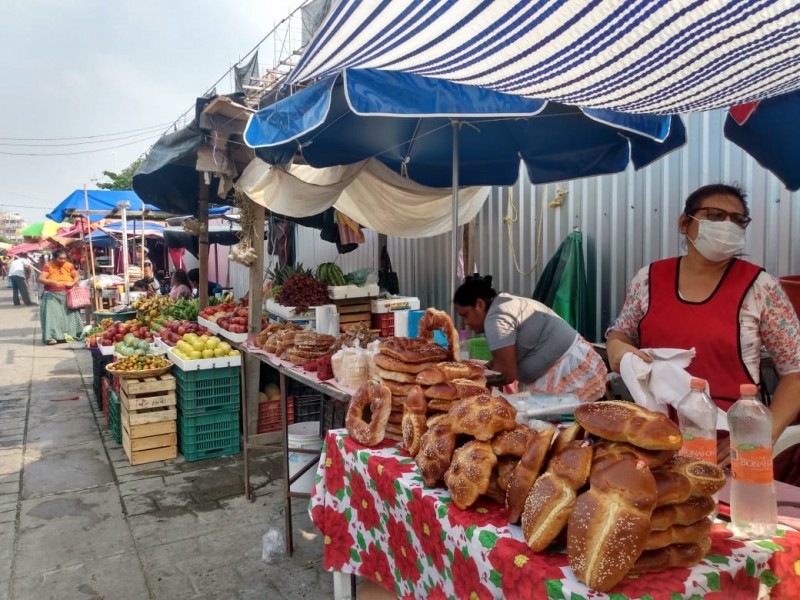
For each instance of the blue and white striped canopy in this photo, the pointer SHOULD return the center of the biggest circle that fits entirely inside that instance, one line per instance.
(638, 56)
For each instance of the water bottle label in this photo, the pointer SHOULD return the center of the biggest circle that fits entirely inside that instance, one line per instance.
(751, 464)
(701, 448)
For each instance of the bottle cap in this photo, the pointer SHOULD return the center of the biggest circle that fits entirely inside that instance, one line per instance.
(748, 389)
(697, 384)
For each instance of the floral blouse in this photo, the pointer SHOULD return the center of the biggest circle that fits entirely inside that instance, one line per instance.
(766, 318)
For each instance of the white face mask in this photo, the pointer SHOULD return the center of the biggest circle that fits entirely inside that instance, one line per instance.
(718, 240)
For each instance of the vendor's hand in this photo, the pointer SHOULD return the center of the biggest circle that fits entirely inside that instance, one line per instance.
(616, 349)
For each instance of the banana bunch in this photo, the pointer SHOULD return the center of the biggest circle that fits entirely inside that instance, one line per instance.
(152, 307)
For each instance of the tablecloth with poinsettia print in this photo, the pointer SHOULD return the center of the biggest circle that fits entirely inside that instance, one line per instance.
(381, 522)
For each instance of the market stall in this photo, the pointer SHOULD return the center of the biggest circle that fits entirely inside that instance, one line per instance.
(380, 522)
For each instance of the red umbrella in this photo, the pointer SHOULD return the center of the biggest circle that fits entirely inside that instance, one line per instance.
(31, 247)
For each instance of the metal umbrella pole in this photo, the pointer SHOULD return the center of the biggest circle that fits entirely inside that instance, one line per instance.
(454, 283)
(124, 206)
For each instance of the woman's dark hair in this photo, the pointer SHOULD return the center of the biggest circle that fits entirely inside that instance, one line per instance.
(474, 288)
(715, 189)
(141, 285)
(58, 253)
(181, 277)
(194, 275)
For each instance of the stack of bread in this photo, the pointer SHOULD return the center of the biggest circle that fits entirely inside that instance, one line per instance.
(645, 508)
(277, 337)
(309, 346)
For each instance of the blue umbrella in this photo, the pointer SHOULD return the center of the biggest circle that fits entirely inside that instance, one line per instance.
(771, 135)
(405, 121)
(443, 134)
(102, 200)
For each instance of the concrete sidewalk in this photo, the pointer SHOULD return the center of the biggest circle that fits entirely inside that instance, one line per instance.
(77, 521)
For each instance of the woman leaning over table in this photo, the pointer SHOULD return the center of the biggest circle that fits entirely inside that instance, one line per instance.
(724, 307)
(57, 319)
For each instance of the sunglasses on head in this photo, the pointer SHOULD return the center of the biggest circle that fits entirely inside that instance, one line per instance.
(719, 214)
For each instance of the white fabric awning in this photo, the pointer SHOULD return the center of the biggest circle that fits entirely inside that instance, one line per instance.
(653, 56)
(368, 192)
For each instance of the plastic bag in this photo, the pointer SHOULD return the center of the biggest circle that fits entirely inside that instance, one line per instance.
(359, 277)
(273, 548)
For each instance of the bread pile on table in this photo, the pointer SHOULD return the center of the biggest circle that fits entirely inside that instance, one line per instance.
(291, 342)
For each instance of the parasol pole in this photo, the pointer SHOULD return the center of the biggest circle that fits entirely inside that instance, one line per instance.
(454, 235)
(96, 300)
(123, 206)
(142, 263)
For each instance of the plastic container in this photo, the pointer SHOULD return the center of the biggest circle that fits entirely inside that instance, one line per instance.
(305, 436)
(413, 322)
(697, 419)
(208, 436)
(384, 322)
(479, 348)
(123, 316)
(754, 509)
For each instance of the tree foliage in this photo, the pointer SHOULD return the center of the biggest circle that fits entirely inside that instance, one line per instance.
(122, 180)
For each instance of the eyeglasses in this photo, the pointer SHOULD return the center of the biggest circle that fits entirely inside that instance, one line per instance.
(719, 214)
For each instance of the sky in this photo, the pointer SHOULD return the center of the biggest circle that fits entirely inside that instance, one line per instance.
(84, 69)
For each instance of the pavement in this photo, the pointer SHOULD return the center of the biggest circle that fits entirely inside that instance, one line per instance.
(77, 521)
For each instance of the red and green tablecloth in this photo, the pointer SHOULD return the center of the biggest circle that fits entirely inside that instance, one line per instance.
(380, 522)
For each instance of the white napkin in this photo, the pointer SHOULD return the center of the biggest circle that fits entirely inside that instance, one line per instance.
(662, 382)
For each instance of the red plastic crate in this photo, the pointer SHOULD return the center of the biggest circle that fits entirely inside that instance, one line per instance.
(269, 415)
(384, 322)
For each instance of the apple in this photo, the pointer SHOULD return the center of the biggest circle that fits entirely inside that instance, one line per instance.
(195, 355)
(225, 346)
(118, 337)
(219, 352)
(208, 353)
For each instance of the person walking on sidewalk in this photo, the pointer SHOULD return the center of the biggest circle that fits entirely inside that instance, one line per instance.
(57, 318)
(18, 271)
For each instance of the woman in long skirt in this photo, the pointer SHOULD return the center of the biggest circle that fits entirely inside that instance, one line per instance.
(57, 319)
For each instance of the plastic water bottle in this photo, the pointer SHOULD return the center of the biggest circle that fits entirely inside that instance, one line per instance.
(697, 419)
(754, 508)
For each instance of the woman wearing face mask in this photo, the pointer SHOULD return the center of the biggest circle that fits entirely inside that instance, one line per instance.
(724, 307)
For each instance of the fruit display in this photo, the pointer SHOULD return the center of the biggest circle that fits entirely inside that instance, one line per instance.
(117, 330)
(140, 362)
(331, 274)
(278, 276)
(302, 291)
(235, 322)
(172, 332)
(151, 307)
(212, 313)
(195, 347)
(133, 346)
(185, 309)
(226, 298)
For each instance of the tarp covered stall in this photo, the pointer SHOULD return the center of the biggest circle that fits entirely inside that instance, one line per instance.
(99, 200)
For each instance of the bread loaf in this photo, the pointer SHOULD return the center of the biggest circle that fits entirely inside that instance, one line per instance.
(469, 472)
(448, 371)
(672, 487)
(438, 320)
(654, 458)
(610, 522)
(413, 350)
(454, 390)
(482, 416)
(435, 451)
(684, 513)
(389, 363)
(520, 480)
(513, 442)
(550, 501)
(414, 421)
(621, 421)
(566, 435)
(694, 533)
(706, 479)
(674, 555)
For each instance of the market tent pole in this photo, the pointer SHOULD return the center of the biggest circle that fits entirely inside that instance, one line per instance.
(254, 319)
(202, 216)
(142, 263)
(95, 298)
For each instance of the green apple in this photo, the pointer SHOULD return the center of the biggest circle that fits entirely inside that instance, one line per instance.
(219, 352)
(225, 346)
(233, 353)
(212, 342)
(208, 353)
(196, 355)
(198, 345)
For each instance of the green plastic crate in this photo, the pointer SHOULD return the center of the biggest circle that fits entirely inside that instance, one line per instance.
(214, 427)
(202, 401)
(114, 416)
(209, 435)
(208, 378)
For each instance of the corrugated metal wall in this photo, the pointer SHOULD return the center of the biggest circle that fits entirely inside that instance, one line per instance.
(627, 221)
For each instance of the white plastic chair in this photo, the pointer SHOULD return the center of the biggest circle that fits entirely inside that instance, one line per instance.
(789, 437)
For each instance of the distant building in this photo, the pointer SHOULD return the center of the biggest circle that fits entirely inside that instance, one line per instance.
(10, 225)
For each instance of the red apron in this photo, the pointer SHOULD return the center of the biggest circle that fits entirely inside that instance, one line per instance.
(711, 326)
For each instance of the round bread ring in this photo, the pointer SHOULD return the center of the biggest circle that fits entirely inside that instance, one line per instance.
(414, 421)
(378, 398)
(389, 363)
(434, 320)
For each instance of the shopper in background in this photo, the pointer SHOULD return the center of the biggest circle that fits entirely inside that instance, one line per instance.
(724, 307)
(153, 286)
(181, 287)
(18, 272)
(194, 278)
(57, 319)
(530, 343)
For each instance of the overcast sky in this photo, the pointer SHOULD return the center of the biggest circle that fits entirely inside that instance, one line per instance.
(80, 68)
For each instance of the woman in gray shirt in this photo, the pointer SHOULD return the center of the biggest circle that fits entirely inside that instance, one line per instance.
(530, 343)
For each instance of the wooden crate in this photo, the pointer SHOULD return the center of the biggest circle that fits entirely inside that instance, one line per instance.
(148, 415)
(148, 442)
(149, 392)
